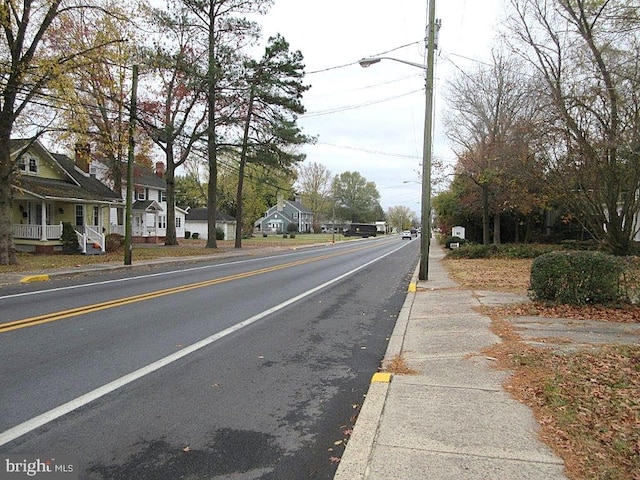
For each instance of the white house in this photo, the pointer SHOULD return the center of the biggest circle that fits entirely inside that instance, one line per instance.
(149, 204)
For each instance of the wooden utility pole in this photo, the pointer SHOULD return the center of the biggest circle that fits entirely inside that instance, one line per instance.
(425, 237)
(132, 121)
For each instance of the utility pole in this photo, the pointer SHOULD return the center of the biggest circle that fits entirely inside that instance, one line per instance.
(425, 237)
(132, 120)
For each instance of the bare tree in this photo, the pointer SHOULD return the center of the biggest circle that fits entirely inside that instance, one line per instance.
(401, 216)
(587, 54)
(174, 113)
(489, 122)
(314, 186)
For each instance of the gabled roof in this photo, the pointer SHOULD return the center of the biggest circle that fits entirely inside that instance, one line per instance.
(200, 214)
(89, 183)
(76, 186)
(274, 214)
(298, 206)
(147, 205)
(146, 177)
(295, 205)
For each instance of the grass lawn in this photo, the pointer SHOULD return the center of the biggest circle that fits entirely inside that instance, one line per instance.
(587, 402)
(186, 248)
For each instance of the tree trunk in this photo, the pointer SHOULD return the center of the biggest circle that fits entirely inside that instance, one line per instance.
(243, 162)
(496, 229)
(170, 237)
(212, 156)
(7, 248)
(486, 239)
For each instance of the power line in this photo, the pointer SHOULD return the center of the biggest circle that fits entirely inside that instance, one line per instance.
(354, 107)
(375, 152)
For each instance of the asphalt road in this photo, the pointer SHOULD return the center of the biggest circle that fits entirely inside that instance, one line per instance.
(250, 368)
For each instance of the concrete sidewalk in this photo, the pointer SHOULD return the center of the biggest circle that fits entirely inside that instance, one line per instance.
(452, 420)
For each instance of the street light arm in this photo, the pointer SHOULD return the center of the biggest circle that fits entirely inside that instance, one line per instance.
(368, 61)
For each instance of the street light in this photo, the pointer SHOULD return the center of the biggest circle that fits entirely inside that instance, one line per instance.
(425, 239)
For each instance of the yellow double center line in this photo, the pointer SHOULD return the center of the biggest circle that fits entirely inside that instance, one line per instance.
(96, 307)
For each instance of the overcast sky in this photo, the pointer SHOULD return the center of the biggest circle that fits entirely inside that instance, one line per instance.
(372, 120)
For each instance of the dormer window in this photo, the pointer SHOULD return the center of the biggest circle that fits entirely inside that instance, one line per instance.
(28, 165)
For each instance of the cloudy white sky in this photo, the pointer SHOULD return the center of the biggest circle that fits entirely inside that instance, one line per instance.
(372, 120)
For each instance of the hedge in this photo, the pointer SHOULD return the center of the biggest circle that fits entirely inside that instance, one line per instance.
(579, 278)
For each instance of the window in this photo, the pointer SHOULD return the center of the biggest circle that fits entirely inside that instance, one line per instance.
(28, 165)
(96, 216)
(140, 194)
(162, 196)
(79, 215)
(162, 221)
(178, 222)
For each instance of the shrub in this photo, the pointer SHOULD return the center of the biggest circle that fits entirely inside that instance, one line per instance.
(578, 278)
(219, 233)
(508, 250)
(292, 228)
(264, 235)
(187, 234)
(284, 235)
(524, 250)
(292, 235)
(451, 240)
(69, 239)
(469, 250)
(195, 235)
(113, 242)
(580, 244)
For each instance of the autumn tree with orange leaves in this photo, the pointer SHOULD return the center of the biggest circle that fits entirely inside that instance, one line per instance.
(34, 56)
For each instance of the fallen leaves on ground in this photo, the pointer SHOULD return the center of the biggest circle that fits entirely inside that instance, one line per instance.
(586, 402)
(399, 366)
(622, 313)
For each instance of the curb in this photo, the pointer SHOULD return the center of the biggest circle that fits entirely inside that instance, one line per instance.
(35, 278)
(354, 464)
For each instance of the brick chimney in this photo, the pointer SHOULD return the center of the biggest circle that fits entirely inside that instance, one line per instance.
(83, 156)
(160, 169)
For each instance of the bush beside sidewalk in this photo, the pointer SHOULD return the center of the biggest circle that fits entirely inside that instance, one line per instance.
(584, 391)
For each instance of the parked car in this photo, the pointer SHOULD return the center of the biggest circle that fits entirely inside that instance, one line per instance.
(407, 234)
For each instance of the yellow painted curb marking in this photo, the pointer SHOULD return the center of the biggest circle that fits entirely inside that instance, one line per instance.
(34, 278)
(413, 286)
(381, 377)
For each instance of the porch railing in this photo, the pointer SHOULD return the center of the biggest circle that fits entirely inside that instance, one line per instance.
(116, 229)
(94, 236)
(34, 232)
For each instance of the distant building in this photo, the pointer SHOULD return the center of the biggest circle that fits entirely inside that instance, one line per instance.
(278, 218)
(197, 222)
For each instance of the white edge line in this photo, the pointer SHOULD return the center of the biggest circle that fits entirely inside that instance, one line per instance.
(138, 277)
(37, 422)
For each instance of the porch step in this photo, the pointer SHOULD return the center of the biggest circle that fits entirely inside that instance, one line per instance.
(91, 250)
